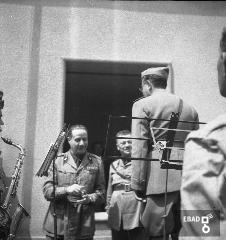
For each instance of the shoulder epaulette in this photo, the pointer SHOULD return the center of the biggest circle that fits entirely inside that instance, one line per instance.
(92, 156)
(138, 99)
(63, 155)
(115, 163)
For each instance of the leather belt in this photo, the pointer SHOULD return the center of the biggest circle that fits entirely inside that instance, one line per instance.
(122, 186)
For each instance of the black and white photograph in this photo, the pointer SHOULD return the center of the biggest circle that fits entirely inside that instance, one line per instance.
(112, 120)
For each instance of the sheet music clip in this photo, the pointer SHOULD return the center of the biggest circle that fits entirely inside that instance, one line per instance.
(165, 164)
(160, 145)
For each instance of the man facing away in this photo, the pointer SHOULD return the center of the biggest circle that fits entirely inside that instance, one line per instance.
(80, 184)
(148, 180)
(2, 174)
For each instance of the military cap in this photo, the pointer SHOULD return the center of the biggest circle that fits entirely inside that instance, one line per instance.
(159, 71)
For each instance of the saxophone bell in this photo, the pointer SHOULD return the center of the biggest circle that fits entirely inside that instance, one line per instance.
(9, 225)
(17, 219)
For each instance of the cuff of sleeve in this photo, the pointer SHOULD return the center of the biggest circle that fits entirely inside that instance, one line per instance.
(137, 185)
(91, 198)
(61, 191)
(107, 208)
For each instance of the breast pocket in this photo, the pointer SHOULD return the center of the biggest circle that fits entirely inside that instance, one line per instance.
(88, 176)
(65, 178)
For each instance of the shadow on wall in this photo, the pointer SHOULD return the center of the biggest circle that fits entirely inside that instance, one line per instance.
(201, 8)
(32, 98)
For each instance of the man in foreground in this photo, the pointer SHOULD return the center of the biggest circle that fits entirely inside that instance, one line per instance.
(203, 185)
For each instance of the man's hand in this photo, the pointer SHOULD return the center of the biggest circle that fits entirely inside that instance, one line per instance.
(107, 208)
(75, 189)
(85, 200)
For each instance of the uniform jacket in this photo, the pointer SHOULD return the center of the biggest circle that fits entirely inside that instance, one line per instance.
(2, 185)
(74, 220)
(203, 184)
(147, 175)
(121, 205)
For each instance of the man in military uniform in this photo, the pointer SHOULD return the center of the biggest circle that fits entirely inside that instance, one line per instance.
(2, 174)
(122, 207)
(148, 179)
(80, 185)
(204, 172)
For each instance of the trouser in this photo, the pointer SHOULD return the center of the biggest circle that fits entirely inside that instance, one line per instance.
(153, 220)
(62, 238)
(173, 237)
(133, 234)
(158, 238)
(52, 238)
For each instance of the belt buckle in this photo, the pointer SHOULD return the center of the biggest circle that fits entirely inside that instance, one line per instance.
(127, 187)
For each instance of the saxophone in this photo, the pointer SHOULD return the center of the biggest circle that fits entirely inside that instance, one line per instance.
(9, 225)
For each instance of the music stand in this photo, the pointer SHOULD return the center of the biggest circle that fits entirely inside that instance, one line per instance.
(163, 146)
(43, 171)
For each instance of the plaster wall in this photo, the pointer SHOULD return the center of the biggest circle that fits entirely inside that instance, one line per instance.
(36, 37)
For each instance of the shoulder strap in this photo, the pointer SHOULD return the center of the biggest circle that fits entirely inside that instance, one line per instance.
(117, 172)
(175, 117)
(180, 108)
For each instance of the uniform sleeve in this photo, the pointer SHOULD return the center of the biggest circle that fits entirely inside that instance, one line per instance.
(2, 183)
(109, 189)
(48, 188)
(140, 129)
(221, 64)
(203, 182)
(99, 193)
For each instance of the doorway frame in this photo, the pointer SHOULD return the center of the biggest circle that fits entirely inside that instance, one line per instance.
(79, 66)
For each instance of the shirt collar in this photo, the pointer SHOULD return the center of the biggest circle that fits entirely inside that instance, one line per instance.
(121, 163)
(68, 158)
